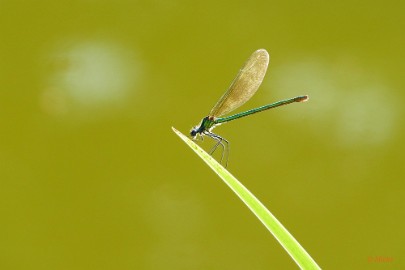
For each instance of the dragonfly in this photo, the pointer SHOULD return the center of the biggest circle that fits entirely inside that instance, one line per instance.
(242, 88)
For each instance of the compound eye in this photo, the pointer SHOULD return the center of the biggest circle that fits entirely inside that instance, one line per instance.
(193, 133)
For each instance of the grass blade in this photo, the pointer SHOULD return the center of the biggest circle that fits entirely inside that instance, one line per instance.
(287, 241)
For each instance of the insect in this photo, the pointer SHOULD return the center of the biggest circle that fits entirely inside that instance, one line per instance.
(242, 88)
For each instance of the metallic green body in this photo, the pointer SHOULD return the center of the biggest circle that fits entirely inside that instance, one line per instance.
(242, 88)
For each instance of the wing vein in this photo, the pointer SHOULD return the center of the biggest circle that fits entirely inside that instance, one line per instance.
(245, 84)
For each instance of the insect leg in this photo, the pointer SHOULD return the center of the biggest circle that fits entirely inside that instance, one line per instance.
(224, 144)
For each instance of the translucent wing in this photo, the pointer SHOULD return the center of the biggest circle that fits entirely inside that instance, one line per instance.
(245, 85)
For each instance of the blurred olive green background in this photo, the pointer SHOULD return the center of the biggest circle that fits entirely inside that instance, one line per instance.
(92, 177)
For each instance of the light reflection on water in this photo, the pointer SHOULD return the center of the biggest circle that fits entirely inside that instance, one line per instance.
(177, 218)
(346, 102)
(88, 75)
